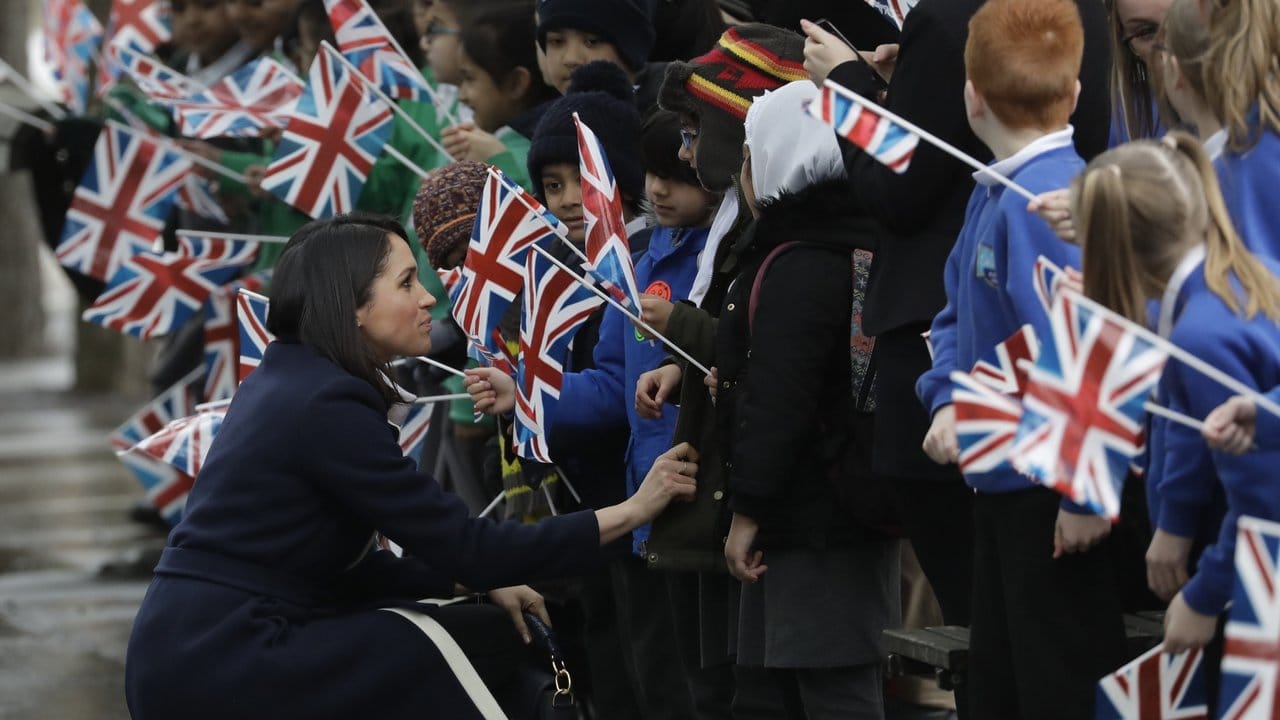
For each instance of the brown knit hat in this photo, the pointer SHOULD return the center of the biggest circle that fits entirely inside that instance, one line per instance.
(718, 87)
(445, 208)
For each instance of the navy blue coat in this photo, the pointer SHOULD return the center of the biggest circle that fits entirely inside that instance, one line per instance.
(265, 602)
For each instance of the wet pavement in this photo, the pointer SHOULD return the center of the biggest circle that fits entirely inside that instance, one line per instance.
(64, 506)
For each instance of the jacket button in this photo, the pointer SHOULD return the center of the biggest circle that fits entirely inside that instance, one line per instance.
(725, 384)
(730, 306)
(653, 557)
(718, 495)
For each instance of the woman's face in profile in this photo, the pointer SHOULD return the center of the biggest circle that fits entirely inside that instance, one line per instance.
(396, 320)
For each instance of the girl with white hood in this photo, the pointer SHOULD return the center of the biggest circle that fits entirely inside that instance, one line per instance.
(794, 401)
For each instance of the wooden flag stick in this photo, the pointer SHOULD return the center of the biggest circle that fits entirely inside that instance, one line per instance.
(428, 399)
(622, 309)
(23, 116)
(215, 235)
(934, 140)
(175, 147)
(1181, 355)
(1173, 415)
(395, 107)
(561, 233)
(436, 363)
(6, 70)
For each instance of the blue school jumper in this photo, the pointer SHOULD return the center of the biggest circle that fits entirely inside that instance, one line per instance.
(1248, 350)
(989, 275)
(605, 395)
(1249, 180)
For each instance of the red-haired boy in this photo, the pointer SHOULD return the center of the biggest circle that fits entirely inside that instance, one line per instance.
(1046, 617)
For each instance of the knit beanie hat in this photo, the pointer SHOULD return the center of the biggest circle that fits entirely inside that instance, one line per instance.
(718, 87)
(601, 94)
(445, 208)
(624, 23)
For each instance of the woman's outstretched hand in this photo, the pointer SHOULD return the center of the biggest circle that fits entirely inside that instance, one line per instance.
(672, 477)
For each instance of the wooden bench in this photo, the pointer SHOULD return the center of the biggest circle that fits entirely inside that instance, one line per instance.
(944, 649)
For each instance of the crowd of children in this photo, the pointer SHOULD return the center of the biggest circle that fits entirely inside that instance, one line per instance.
(804, 273)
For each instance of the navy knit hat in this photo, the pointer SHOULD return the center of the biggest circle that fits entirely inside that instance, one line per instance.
(624, 23)
(601, 94)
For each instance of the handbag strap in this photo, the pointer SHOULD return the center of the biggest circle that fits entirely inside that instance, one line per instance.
(545, 638)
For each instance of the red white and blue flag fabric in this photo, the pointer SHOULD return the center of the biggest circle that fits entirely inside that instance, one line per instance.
(608, 255)
(160, 82)
(155, 292)
(184, 443)
(365, 42)
(413, 429)
(251, 314)
(1251, 655)
(449, 279)
(337, 130)
(140, 25)
(222, 337)
(895, 11)
(1048, 280)
(177, 401)
(1082, 419)
(196, 195)
(72, 35)
(555, 306)
(863, 123)
(509, 222)
(166, 486)
(120, 207)
(1155, 686)
(987, 401)
(259, 95)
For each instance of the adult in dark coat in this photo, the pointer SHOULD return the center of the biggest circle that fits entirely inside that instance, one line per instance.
(266, 601)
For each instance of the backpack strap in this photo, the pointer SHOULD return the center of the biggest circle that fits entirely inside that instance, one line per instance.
(755, 284)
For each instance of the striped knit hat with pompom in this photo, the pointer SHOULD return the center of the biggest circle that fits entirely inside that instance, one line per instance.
(717, 88)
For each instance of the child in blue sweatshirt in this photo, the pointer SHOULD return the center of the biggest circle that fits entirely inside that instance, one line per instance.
(1154, 226)
(1046, 620)
(1242, 87)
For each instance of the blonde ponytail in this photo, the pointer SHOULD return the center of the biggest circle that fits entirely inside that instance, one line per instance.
(1110, 266)
(1225, 253)
(1242, 68)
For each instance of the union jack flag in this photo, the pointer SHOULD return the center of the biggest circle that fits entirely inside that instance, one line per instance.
(365, 42)
(1048, 279)
(141, 25)
(449, 279)
(184, 443)
(1251, 656)
(71, 38)
(337, 131)
(864, 124)
(555, 306)
(222, 336)
(414, 427)
(1083, 405)
(493, 272)
(154, 292)
(251, 312)
(160, 82)
(176, 402)
(259, 95)
(121, 204)
(608, 255)
(1155, 686)
(196, 195)
(986, 401)
(894, 10)
(166, 486)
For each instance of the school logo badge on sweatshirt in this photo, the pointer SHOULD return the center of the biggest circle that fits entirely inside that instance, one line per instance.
(985, 265)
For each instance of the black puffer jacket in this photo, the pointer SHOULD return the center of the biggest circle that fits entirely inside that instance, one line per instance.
(785, 392)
